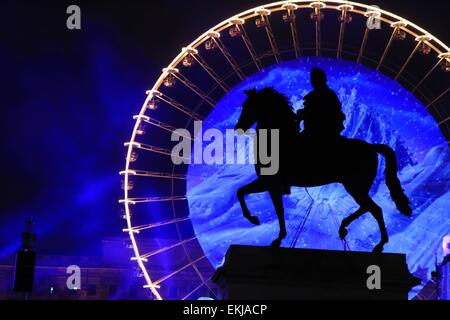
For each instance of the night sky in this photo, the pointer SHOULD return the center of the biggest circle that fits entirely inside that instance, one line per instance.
(67, 100)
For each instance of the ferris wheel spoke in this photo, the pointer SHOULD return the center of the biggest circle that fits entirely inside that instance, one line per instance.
(152, 174)
(396, 25)
(317, 21)
(148, 226)
(151, 199)
(159, 281)
(363, 45)
(264, 15)
(164, 249)
(202, 279)
(438, 97)
(197, 270)
(290, 8)
(198, 58)
(176, 73)
(383, 56)
(176, 104)
(215, 37)
(427, 74)
(158, 174)
(203, 283)
(239, 25)
(154, 149)
(408, 59)
(160, 124)
(344, 20)
(341, 36)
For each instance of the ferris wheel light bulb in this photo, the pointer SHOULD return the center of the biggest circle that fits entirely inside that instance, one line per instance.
(133, 144)
(290, 6)
(189, 50)
(238, 21)
(147, 286)
(141, 116)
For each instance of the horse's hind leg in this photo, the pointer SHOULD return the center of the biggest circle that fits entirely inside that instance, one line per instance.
(377, 213)
(358, 191)
(255, 186)
(367, 204)
(277, 199)
(346, 221)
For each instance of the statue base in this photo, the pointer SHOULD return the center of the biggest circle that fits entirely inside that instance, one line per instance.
(266, 273)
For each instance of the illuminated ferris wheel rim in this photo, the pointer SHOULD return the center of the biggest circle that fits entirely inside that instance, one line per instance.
(396, 22)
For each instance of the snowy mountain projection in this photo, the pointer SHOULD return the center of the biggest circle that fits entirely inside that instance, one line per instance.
(378, 110)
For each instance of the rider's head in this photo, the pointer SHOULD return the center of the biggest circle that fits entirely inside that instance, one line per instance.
(318, 78)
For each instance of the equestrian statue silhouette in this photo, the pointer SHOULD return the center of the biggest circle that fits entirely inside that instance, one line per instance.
(317, 155)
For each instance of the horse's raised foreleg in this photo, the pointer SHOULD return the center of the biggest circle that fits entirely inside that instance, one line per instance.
(255, 186)
(346, 221)
(277, 199)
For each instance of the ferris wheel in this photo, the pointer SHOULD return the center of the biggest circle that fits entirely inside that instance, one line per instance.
(188, 89)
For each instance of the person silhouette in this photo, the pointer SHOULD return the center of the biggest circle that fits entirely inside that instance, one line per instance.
(322, 114)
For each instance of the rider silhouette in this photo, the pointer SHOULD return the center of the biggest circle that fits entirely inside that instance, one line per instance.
(322, 115)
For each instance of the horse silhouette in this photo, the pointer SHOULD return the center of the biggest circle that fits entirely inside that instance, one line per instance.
(307, 162)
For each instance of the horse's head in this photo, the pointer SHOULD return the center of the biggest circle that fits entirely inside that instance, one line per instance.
(249, 112)
(268, 107)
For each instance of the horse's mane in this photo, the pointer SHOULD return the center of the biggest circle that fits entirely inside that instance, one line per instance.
(276, 98)
(277, 104)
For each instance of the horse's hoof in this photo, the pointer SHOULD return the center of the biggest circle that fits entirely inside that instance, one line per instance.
(254, 220)
(342, 232)
(407, 213)
(276, 243)
(378, 248)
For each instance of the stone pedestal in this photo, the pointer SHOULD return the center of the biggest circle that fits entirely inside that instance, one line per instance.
(266, 273)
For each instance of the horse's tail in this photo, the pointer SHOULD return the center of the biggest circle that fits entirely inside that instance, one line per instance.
(392, 181)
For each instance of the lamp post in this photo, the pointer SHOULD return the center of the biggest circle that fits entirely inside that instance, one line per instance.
(25, 262)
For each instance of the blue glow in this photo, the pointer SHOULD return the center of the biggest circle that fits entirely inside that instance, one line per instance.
(378, 110)
(65, 152)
